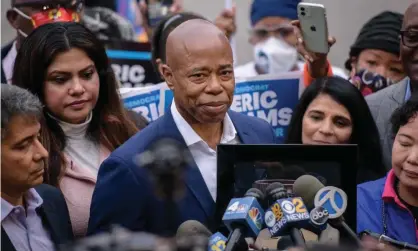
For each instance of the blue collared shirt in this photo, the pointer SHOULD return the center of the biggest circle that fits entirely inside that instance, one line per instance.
(24, 227)
(408, 90)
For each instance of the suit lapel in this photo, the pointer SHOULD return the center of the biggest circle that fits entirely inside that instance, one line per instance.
(245, 132)
(50, 220)
(398, 98)
(194, 179)
(399, 94)
(6, 244)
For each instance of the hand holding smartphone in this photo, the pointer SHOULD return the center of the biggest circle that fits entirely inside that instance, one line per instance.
(314, 28)
(157, 10)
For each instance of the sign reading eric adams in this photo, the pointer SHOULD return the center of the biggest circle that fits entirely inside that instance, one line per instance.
(271, 98)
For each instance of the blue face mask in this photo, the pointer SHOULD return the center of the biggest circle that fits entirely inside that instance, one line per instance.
(368, 82)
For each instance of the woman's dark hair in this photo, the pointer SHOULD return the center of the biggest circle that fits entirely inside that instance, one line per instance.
(161, 32)
(110, 125)
(365, 133)
(404, 114)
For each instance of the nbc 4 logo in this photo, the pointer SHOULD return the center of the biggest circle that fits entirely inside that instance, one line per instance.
(255, 215)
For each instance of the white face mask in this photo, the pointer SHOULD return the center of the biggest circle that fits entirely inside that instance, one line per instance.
(24, 16)
(275, 55)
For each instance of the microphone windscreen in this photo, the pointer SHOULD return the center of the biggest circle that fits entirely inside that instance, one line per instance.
(306, 187)
(192, 228)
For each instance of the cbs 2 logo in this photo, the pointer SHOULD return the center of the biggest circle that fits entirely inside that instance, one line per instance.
(299, 205)
(219, 246)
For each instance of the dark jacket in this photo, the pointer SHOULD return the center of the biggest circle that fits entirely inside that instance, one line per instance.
(124, 194)
(55, 217)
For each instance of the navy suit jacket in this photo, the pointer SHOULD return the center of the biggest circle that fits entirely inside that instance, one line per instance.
(124, 195)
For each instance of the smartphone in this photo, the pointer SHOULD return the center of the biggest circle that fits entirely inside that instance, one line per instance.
(313, 23)
(157, 10)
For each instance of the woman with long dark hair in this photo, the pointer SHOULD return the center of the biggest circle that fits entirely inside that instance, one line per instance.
(333, 111)
(66, 66)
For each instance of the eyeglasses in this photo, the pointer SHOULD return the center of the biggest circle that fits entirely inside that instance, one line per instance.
(76, 5)
(410, 38)
(281, 31)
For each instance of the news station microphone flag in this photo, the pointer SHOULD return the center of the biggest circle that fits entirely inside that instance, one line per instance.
(286, 215)
(244, 217)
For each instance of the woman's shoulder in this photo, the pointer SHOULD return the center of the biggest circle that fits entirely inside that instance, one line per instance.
(371, 189)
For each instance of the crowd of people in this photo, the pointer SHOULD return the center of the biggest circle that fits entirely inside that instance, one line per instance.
(69, 146)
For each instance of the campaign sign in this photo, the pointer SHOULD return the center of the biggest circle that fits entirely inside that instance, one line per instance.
(269, 97)
(144, 100)
(131, 63)
(245, 211)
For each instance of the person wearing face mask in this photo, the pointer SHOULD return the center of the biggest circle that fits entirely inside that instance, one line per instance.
(374, 57)
(26, 15)
(384, 102)
(274, 40)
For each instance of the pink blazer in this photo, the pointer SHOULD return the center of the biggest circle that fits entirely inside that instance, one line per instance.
(77, 185)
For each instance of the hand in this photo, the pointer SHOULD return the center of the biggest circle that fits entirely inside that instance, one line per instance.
(226, 21)
(372, 244)
(317, 62)
(176, 7)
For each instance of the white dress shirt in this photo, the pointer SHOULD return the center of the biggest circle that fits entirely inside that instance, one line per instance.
(9, 62)
(203, 155)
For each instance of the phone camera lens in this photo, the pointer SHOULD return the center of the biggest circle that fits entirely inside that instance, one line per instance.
(302, 13)
(302, 9)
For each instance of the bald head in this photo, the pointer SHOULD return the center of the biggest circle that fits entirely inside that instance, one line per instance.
(199, 69)
(410, 13)
(197, 36)
(409, 45)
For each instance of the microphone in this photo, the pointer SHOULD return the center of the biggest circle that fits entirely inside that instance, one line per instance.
(217, 242)
(306, 186)
(285, 242)
(329, 197)
(191, 228)
(167, 161)
(286, 215)
(318, 218)
(393, 242)
(316, 195)
(243, 217)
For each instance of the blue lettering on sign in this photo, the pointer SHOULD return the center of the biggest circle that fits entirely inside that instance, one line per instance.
(271, 100)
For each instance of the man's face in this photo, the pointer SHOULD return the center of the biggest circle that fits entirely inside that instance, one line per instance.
(202, 78)
(409, 45)
(32, 7)
(22, 155)
(273, 26)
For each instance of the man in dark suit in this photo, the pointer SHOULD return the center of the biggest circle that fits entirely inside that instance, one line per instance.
(20, 17)
(199, 71)
(384, 102)
(33, 216)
